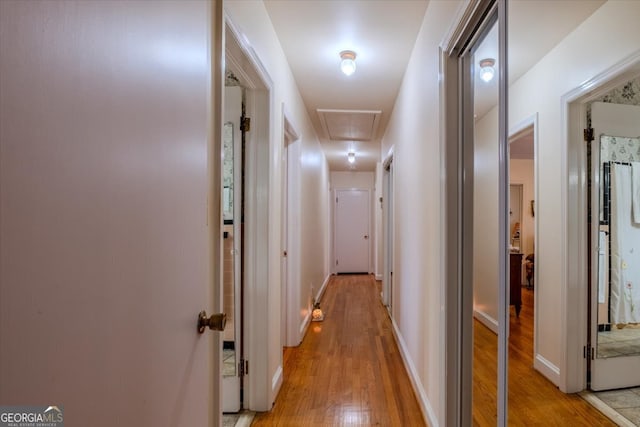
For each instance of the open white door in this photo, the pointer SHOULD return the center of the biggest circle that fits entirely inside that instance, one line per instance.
(615, 253)
(352, 231)
(107, 249)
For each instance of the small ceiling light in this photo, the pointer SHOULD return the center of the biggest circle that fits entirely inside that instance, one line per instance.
(348, 64)
(351, 157)
(486, 69)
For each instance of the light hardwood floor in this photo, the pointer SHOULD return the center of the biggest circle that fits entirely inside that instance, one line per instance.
(348, 370)
(533, 400)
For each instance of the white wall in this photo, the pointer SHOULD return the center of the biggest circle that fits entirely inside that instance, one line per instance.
(609, 35)
(104, 125)
(414, 132)
(251, 18)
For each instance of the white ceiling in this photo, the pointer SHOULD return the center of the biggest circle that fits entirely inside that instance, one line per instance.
(383, 33)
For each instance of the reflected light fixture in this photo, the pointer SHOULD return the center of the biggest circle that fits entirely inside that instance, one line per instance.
(348, 63)
(351, 157)
(486, 69)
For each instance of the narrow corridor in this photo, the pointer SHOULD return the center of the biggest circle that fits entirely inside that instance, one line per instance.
(348, 369)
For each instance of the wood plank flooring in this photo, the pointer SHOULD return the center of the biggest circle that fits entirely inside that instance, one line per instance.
(348, 370)
(533, 400)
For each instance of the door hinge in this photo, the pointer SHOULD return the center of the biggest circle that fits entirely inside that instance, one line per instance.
(336, 200)
(336, 262)
(243, 368)
(245, 124)
(588, 134)
(588, 351)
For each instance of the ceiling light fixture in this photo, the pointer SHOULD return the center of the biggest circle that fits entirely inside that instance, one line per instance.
(348, 64)
(351, 157)
(486, 69)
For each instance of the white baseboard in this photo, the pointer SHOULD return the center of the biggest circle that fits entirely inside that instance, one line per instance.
(421, 395)
(303, 327)
(307, 319)
(486, 320)
(546, 368)
(322, 288)
(378, 276)
(276, 382)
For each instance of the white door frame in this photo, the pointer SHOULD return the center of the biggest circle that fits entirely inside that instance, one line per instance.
(574, 194)
(259, 388)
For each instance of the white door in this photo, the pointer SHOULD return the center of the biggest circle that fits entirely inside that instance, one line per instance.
(615, 274)
(352, 231)
(284, 273)
(105, 242)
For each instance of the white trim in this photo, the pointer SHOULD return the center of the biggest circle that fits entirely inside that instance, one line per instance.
(245, 420)
(244, 61)
(378, 276)
(387, 159)
(546, 368)
(307, 319)
(486, 320)
(320, 293)
(421, 395)
(276, 382)
(304, 326)
(574, 251)
(606, 410)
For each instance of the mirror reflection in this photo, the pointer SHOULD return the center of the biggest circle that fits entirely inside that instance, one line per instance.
(486, 246)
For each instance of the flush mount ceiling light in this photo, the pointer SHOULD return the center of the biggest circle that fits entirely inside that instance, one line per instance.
(348, 64)
(351, 157)
(486, 69)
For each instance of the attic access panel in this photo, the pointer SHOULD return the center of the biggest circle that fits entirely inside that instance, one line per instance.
(349, 125)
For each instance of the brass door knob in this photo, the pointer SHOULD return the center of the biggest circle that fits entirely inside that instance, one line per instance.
(216, 322)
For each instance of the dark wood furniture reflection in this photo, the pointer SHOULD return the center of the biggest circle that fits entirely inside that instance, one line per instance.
(515, 279)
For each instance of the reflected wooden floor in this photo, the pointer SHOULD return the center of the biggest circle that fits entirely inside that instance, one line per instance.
(348, 370)
(533, 400)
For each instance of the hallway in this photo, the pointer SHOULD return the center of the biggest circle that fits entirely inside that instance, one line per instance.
(348, 369)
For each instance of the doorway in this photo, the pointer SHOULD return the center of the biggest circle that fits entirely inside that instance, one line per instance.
(387, 234)
(232, 232)
(598, 257)
(290, 273)
(352, 231)
(257, 389)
